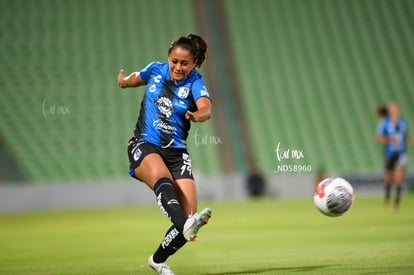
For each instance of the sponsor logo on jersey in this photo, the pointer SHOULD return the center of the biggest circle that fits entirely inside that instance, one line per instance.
(164, 127)
(157, 79)
(183, 92)
(165, 106)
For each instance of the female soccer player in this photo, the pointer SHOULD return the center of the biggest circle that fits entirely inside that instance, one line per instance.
(392, 132)
(175, 96)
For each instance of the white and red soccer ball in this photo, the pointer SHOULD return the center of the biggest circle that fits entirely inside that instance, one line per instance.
(334, 196)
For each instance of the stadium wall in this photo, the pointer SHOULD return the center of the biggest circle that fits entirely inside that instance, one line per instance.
(30, 197)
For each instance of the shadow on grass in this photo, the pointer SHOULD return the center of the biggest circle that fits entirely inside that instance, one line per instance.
(261, 270)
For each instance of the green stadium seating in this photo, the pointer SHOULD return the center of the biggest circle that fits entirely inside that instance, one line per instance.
(311, 75)
(313, 72)
(62, 114)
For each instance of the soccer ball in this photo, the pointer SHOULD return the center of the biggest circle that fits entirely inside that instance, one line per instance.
(333, 196)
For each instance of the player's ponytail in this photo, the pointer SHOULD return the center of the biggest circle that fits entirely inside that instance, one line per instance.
(382, 111)
(195, 44)
(200, 47)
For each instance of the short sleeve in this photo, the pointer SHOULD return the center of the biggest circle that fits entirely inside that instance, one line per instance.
(199, 89)
(145, 73)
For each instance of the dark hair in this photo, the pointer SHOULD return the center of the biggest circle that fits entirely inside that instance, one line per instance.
(382, 111)
(195, 44)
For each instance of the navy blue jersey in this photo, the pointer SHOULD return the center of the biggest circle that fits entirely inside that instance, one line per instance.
(161, 120)
(397, 131)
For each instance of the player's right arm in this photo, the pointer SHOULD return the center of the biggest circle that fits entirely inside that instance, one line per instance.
(132, 80)
(381, 136)
(382, 139)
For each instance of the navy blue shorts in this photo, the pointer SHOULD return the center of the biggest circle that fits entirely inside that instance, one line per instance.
(177, 160)
(395, 161)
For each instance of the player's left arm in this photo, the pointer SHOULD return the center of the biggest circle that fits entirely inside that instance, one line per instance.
(203, 112)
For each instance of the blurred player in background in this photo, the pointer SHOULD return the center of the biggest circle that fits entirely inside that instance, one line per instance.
(175, 96)
(392, 132)
(255, 183)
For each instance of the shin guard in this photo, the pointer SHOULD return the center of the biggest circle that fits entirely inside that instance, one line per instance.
(168, 203)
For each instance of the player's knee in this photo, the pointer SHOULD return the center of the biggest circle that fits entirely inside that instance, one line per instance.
(150, 175)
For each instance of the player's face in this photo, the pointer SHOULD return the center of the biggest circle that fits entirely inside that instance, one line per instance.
(181, 63)
(393, 110)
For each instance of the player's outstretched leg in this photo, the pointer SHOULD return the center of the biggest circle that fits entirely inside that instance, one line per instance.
(168, 203)
(174, 240)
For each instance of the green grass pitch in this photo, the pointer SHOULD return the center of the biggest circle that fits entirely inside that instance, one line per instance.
(251, 237)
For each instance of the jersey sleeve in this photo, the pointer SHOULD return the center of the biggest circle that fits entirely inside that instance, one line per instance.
(145, 73)
(199, 89)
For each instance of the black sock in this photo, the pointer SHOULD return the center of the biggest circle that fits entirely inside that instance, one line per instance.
(397, 196)
(387, 192)
(167, 201)
(173, 241)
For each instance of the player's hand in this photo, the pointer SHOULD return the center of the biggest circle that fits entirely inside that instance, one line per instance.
(203, 112)
(121, 81)
(391, 139)
(190, 116)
